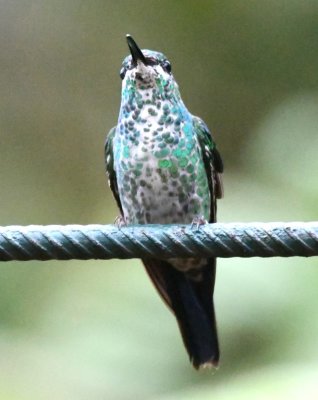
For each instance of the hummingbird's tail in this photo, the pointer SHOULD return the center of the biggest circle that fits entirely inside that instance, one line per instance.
(192, 303)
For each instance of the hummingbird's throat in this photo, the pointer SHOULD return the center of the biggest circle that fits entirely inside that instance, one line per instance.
(145, 75)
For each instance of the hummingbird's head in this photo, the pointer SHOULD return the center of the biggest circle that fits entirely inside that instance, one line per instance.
(147, 69)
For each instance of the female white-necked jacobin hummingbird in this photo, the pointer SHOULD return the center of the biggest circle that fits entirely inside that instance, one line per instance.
(164, 168)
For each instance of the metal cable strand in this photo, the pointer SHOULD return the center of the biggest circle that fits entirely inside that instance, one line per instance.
(54, 242)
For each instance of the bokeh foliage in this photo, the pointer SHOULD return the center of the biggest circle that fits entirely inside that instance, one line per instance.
(98, 330)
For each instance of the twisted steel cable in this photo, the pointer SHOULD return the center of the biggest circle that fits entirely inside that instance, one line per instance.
(54, 242)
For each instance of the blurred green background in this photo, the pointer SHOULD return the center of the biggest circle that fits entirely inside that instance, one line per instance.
(97, 330)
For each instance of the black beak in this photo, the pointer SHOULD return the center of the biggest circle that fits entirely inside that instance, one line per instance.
(135, 51)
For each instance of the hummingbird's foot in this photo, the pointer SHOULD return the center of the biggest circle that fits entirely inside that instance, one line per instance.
(120, 221)
(198, 221)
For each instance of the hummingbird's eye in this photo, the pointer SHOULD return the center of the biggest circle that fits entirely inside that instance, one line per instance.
(166, 66)
(122, 72)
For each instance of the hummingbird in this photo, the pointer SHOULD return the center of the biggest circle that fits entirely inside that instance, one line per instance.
(163, 168)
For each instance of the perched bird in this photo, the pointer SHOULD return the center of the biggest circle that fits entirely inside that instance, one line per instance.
(164, 168)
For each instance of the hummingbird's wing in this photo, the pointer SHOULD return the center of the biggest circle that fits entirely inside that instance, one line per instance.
(109, 163)
(212, 161)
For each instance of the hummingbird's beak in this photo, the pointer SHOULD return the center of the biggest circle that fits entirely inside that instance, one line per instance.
(135, 51)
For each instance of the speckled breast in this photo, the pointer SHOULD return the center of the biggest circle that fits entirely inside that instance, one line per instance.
(159, 167)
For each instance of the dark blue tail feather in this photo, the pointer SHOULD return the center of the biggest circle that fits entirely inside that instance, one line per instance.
(192, 303)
